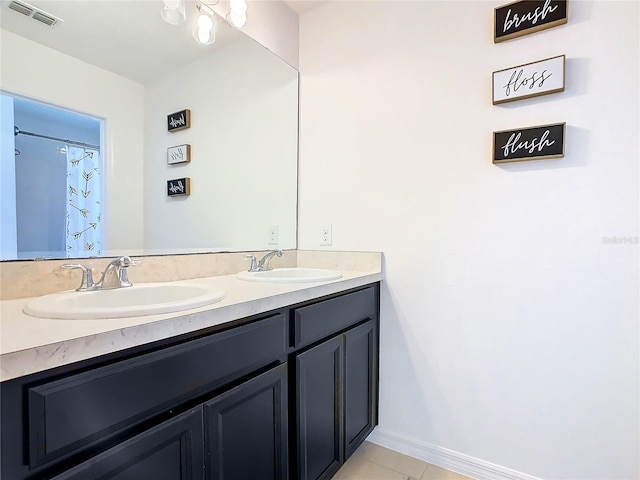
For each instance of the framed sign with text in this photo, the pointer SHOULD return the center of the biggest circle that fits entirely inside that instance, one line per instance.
(178, 187)
(533, 143)
(179, 120)
(527, 16)
(529, 80)
(179, 154)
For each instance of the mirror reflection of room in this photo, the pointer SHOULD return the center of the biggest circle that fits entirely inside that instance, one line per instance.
(243, 135)
(55, 186)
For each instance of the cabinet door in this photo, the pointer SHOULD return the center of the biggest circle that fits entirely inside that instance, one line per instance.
(361, 384)
(170, 451)
(319, 378)
(246, 430)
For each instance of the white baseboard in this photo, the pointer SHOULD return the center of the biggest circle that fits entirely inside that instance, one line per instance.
(445, 458)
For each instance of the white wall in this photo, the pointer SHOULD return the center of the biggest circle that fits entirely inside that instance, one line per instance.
(38, 72)
(243, 137)
(510, 341)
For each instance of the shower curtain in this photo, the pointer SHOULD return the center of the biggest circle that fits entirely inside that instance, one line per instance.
(84, 196)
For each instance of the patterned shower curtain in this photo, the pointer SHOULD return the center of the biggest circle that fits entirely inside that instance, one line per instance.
(84, 196)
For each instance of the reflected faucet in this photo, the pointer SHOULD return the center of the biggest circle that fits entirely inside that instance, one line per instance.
(113, 276)
(265, 263)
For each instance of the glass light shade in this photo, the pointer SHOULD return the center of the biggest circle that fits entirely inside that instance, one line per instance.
(238, 19)
(238, 6)
(204, 29)
(204, 22)
(173, 12)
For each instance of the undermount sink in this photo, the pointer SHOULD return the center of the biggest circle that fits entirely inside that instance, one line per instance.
(137, 300)
(290, 275)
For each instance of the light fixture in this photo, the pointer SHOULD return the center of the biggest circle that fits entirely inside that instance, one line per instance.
(237, 13)
(173, 12)
(204, 27)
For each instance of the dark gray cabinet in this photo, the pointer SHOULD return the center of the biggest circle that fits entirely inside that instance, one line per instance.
(284, 394)
(74, 412)
(336, 400)
(360, 384)
(249, 422)
(246, 430)
(172, 450)
(319, 416)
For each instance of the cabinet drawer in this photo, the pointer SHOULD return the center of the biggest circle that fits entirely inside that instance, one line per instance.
(172, 450)
(69, 414)
(316, 321)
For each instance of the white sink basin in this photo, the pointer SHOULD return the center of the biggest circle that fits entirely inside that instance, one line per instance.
(290, 275)
(138, 300)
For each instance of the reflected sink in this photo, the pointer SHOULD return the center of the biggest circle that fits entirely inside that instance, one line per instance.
(138, 300)
(290, 275)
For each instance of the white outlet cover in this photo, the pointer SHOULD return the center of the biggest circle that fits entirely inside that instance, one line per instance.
(272, 234)
(326, 235)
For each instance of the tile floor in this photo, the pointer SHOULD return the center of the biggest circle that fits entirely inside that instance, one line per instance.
(373, 462)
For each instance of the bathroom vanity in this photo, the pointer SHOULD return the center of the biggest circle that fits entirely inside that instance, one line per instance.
(289, 392)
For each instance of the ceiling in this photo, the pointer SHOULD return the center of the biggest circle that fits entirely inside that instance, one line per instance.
(303, 6)
(127, 37)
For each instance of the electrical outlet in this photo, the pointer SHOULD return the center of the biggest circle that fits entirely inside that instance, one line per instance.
(325, 234)
(273, 234)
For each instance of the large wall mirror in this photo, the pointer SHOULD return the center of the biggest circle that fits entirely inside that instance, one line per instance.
(122, 70)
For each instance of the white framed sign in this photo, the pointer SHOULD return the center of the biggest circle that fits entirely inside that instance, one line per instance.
(529, 80)
(179, 154)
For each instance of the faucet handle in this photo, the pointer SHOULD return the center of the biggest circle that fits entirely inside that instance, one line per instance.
(87, 276)
(124, 262)
(254, 262)
(121, 273)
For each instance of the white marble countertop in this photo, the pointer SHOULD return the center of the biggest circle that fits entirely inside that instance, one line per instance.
(29, 344)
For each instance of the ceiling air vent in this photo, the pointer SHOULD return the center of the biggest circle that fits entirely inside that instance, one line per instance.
(44, 18)
(33, 12)
(22, 8)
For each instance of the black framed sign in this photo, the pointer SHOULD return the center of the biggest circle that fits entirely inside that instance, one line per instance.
(179, 120)
(527, 16)
(178, 187)
(533, 143)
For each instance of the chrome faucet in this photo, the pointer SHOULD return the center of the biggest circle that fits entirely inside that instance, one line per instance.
(113, 276)
(265, 263)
